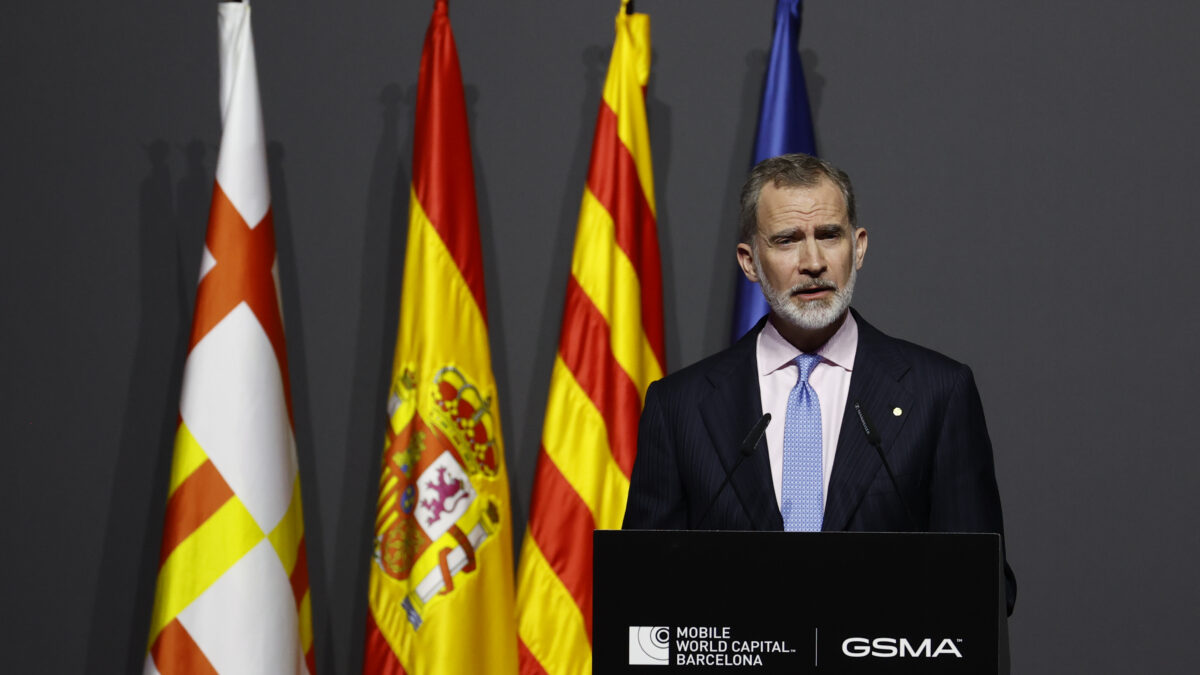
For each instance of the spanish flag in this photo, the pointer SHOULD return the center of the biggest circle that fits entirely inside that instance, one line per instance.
(610, 350)
(441, 579)
(232, 591)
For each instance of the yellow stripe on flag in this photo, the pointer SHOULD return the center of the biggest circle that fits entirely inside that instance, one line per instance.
(201, 559)
(576, 439)
(434, 649)
(607, 276)
(187, 458)
(285, 538)
(439, 319)
(306, 630)
(554, 630)
(625, 95)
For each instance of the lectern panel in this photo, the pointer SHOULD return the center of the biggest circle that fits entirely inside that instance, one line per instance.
(776, 602)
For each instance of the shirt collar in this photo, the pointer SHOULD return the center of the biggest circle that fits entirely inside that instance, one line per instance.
(775, 352)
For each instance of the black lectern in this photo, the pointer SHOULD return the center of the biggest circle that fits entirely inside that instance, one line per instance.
(777, 602)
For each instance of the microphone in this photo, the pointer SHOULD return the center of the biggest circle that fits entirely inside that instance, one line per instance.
(877, 443)
(749, 445)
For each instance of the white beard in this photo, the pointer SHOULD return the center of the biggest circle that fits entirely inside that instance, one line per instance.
(811, 314)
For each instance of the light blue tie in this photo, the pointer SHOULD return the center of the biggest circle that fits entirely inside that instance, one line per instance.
(802, 467)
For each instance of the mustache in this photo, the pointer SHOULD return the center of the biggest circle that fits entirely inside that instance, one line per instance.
(816, 284)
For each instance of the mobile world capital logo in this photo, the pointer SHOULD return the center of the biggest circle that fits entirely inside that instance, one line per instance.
(701, 646)
(649, 646)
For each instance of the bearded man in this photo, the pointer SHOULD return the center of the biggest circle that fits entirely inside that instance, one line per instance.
(812, 363)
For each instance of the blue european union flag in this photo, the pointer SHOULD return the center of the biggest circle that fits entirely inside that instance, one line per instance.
(784, 125)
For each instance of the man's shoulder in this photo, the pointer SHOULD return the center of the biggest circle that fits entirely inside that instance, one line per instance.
(925, 362)
(711, 370)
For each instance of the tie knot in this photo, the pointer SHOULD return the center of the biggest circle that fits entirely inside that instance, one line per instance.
(806, 363)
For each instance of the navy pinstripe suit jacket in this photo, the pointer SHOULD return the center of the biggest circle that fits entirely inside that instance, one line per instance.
(694, 422)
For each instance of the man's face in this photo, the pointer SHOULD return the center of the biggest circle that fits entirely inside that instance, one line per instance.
(805, 254)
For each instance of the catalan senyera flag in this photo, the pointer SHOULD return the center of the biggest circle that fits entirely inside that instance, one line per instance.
(610, 350)
(441, 579)
(232, 592)
(784, 125)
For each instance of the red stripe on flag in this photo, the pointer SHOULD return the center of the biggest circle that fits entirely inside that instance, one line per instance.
(244, 258)
(299, 576)
(196, 499)
(561, 524)
(379, 658)
(174, 651)
(586, 348)
(613, 178)
(443, 177)
(527, 662)
(299, 579)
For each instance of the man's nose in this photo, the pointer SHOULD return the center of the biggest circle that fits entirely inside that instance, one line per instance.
(812, 261)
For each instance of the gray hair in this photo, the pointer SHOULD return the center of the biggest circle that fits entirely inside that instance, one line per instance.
(794, 170)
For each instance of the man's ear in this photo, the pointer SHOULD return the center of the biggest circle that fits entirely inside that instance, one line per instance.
(860, 247)
(745, 258)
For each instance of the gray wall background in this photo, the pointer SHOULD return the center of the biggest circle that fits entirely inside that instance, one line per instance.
(1026, 170)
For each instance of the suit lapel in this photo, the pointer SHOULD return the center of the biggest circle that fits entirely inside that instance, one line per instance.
(730, 410)
(875, 383)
